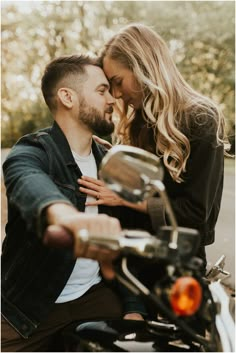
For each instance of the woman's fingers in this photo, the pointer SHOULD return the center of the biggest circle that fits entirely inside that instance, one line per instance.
(92, 180)
(94, 203)
(89, 185)
(103, 142)
(95, 188)
(89, 192)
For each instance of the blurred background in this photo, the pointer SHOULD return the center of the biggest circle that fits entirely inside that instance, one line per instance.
(200, 35)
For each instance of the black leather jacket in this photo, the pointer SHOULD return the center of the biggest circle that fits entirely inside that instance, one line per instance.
(40, 170)
(196, 201)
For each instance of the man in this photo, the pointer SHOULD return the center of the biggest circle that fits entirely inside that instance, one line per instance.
(45, 288)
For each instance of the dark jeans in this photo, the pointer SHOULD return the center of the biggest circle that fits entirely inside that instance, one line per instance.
(99, 303)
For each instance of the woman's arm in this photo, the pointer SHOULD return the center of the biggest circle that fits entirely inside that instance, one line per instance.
(196, 201)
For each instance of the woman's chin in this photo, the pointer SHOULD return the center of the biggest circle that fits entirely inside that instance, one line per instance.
(135, 105)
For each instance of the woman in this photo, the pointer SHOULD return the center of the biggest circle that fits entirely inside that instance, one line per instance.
(161, 113)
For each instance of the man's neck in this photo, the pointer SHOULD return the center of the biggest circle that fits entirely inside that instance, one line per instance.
(77, 135)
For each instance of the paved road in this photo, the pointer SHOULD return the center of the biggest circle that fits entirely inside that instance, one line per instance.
(225, 229)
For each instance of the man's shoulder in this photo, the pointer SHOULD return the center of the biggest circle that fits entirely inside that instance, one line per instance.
(29, 143)
(33, 137)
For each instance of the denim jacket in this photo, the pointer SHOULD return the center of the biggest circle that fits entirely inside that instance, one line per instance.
(39, 171)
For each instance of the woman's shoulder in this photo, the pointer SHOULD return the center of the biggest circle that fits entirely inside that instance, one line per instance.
(202, 123)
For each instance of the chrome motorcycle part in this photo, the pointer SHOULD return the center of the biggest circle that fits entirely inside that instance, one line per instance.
(135, 175)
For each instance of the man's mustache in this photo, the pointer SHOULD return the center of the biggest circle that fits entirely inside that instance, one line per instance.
(109, 110)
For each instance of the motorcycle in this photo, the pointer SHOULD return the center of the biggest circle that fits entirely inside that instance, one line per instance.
(190, 313)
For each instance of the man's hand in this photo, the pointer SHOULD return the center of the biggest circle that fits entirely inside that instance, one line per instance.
(69, 219)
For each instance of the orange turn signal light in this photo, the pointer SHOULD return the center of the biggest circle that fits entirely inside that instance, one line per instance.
(186, 296)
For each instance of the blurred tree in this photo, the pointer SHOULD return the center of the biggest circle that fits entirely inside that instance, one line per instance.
(27, 126)
(200, 35)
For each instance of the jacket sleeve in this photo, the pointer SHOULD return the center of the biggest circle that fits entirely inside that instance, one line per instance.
(203, 184)
(28, 185)
(200, 196)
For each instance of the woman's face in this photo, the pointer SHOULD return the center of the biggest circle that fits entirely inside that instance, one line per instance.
(123, 83)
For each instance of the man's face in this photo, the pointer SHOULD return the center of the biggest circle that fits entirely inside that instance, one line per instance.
(96, 102)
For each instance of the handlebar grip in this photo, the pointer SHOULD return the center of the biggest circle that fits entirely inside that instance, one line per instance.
(57, 236)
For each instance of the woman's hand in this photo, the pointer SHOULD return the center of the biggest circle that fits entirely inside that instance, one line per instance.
(97, 189)
(102, 142)
(104, 196)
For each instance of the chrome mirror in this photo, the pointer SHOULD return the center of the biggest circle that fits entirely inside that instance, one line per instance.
(128, 170)
(135, 175)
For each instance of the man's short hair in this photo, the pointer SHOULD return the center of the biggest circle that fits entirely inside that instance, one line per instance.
(65, 71)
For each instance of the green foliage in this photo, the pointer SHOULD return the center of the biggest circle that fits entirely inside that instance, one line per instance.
(200, 35)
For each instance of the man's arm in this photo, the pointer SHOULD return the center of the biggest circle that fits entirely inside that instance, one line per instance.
(40, 203)
(28, 186)
(69, 219)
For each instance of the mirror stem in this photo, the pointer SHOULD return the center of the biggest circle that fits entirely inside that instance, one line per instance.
(159, 186)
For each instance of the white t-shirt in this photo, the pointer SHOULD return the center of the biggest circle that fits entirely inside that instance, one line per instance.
(86, 272)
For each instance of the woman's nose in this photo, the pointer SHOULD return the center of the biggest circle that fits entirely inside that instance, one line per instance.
(116, 93)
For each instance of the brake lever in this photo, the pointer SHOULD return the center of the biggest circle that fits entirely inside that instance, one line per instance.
(217, 270)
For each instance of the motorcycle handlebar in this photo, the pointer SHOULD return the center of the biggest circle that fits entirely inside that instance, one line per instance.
(130, 241)
(137, 242)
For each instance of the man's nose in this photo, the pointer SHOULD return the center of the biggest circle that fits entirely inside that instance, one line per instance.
(111, 99)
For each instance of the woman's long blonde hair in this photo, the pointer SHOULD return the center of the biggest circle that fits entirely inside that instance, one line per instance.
(169, 103)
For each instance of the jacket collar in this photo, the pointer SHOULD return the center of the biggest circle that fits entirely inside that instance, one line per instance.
(61, 141)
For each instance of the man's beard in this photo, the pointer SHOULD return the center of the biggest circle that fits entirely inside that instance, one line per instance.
(94, 120)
